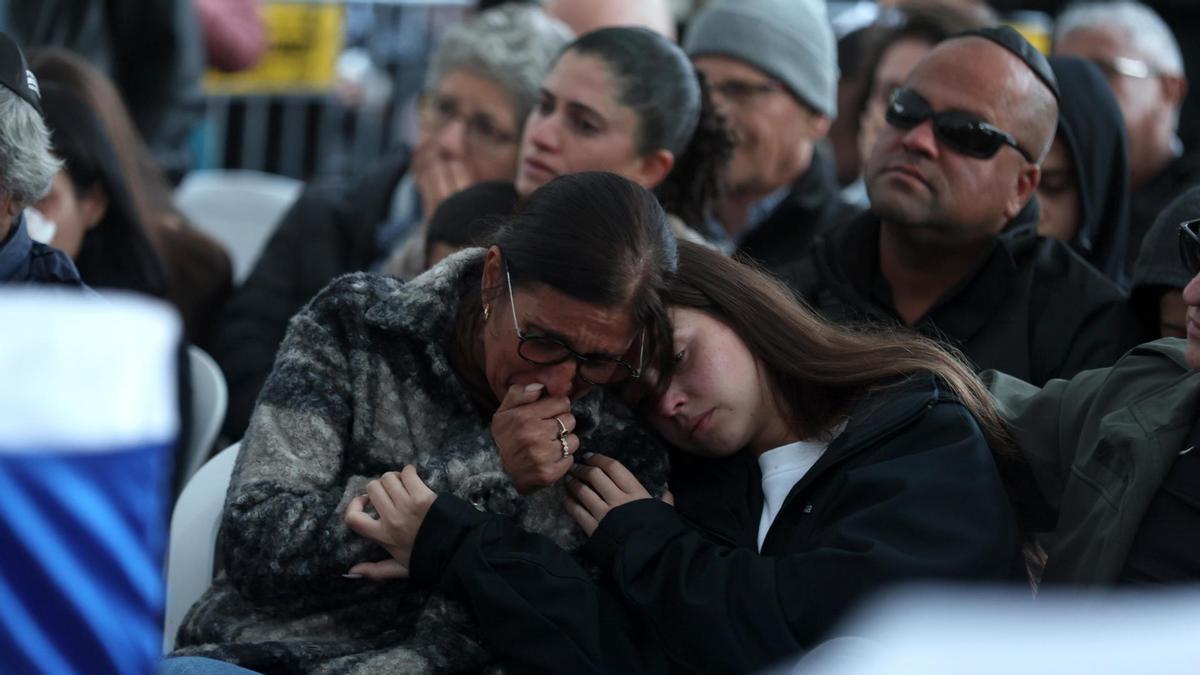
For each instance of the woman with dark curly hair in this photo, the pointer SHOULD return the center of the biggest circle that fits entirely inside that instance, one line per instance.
(628, 100)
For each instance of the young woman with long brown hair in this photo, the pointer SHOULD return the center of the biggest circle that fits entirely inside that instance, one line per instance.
(818, 464)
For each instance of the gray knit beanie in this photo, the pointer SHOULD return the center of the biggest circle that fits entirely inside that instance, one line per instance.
(789, 40)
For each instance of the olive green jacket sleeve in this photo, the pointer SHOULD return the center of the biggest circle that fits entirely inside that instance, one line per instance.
(1099, 446)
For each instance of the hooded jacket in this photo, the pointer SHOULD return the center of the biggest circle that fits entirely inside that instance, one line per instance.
(1031, 307)
(1159, 268)
(1090, 123)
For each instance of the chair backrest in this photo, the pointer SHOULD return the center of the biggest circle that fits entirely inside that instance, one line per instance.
(239, 209)
(210, 400)
(192, 548)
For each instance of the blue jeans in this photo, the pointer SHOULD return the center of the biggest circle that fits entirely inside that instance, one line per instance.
(195, 665)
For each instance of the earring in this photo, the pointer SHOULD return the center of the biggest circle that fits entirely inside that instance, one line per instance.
(487, 311)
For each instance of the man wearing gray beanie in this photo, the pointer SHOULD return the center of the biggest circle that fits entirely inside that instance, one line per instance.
(771, 66)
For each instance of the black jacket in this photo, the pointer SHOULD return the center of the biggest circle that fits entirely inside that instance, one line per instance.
(329, 231)
(1155, 196)
(1159, 267)
(1090, 122)
(23, 260)
(813, 206)
(910, 490)
(1031, 308)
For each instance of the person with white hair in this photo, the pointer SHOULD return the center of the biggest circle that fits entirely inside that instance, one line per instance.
(481, 84)
(26, 171)
(1141, 58)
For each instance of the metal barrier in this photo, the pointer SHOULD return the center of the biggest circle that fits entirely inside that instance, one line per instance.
(307, 131)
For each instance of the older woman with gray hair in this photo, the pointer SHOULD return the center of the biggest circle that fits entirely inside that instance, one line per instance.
(26, 171)
(488, 56)
(482, 82)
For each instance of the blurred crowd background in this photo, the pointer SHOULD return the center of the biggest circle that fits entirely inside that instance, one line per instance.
(214, 127)
(304, 89)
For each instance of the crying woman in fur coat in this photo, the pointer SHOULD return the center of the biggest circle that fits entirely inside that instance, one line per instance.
(486, 375)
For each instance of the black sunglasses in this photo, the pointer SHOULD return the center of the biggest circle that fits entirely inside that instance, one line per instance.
(1189, 245)
(960, 131)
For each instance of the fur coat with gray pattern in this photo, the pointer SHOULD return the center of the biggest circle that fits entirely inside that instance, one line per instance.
(363, 385)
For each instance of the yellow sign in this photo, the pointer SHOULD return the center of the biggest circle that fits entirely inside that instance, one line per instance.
(1037, 34)
(304, 43)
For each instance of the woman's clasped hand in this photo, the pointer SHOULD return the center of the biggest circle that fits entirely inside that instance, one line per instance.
(401, 500)
(595, 485)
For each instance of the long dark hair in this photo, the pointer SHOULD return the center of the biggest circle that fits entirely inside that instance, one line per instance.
(675, 113)
(820, 369)
(147, 186)
(116, 253)
(597, 237)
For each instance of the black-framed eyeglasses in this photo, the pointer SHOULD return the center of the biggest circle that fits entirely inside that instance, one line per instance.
(546, 350)
(958, 130)
(1189, 245)
(739, 91)
(481, 130)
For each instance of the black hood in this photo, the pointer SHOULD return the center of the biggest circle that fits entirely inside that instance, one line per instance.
(1158, 267)
(1090, 122)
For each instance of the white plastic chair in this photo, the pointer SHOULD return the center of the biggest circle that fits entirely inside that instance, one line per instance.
(238, 208)
(193, 542)
(210, 401)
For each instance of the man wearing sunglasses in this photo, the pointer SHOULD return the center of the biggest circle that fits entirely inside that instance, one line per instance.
(1115, 454)
(950, 245)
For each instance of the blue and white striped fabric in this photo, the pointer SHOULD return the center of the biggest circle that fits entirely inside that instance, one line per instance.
(89, 417)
